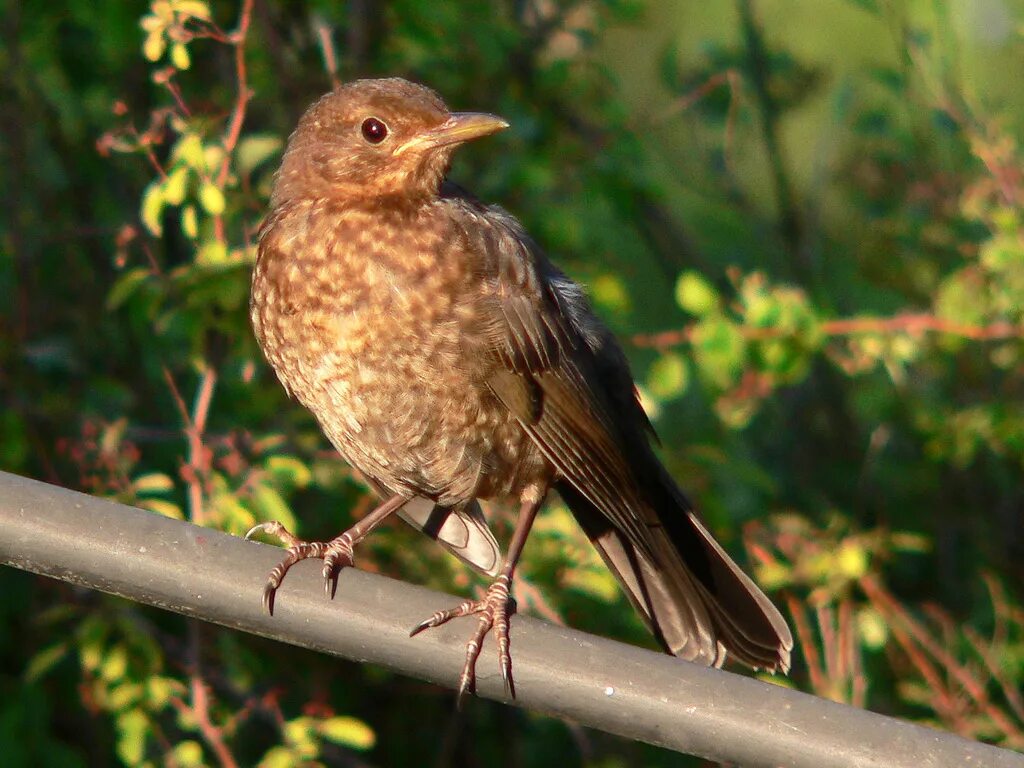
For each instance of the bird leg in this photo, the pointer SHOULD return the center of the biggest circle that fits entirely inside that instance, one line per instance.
(336, 553)
(493, 611)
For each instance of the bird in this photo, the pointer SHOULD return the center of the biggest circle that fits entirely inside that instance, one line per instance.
(450, 362)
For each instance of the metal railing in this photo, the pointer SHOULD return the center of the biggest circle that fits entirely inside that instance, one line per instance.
(594, 681)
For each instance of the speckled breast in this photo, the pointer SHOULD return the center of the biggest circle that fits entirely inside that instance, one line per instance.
(368, 319)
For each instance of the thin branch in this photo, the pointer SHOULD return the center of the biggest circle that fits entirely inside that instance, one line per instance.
(911, 323)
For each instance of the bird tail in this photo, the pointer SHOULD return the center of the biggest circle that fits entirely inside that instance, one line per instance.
(693, 597)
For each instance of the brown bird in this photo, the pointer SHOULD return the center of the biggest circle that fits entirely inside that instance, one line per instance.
(449, 361)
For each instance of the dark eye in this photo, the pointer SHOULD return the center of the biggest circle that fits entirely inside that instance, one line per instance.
(374, 130)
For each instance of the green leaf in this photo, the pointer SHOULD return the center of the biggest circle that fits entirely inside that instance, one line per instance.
(695, 294)
(280, 757)
(348, 731)
(189, 150)
(188, 753)
(44, 661)
(852, 560)
(125, 286)
(153, 207)
(873, 629)
(271, 506)
(212, 253)
(115, 665)
(175, 185)
(154, 482)
(131, 736)
(189, 222)
(122, 696)
(289, 470)
(212, 199)
(609, 292)
(256, 149)
(720, 350)
(299, 734)
(179, 56)
(162, 507)
(668, 376)
(155, 45)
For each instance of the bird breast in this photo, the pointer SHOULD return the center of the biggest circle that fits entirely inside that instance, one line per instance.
(369, 320)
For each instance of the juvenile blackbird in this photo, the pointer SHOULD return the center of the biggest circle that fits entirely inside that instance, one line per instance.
(449, 361)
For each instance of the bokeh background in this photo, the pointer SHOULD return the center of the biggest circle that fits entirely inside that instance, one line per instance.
(803, 218)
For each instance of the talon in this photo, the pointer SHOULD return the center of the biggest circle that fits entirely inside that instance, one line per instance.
(425, 624)
(255, 528)
(494, 611)
(268, 598)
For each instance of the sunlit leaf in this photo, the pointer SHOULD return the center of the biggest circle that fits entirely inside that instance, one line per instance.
(349, 732)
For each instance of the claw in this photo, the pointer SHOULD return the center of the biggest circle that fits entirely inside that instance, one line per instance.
(493, 611)
(268, 598)
(255, 528)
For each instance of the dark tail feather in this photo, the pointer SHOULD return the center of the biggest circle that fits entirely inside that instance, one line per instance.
(694, 598)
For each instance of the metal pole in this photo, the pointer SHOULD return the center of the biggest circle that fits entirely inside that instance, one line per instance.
(596, 682)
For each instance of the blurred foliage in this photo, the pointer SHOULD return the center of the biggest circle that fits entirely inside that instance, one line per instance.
(813, 248)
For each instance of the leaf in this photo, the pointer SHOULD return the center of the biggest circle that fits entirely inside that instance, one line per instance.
(194, 8)
(189, 222)
(852, 560)
(115, 665)
(279, 757)
(695, 294)
(667, 377)
(179, 56)
(212, 253)
(44, 661)
(348, 731)
(212, 199)
(152, 208)
(188, 753)
(162, 507)
(610, 292)
(154, 482)
(253, 150)
(131, 736)
(189, 150)
(290, 470)
(872, 628)
(155, 45)
(272, 507)
(719, 349)
(125, 286)
(175, 185)
(122, 696)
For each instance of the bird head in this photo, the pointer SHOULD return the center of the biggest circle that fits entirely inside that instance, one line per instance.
(375, 139)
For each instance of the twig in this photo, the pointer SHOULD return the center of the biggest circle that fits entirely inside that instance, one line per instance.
(900, 619)
(234, 128)
(326, 37)
(807, 644)
(911, 323)
(194, 425)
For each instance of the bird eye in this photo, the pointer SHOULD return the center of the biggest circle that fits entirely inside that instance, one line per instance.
(374, 130)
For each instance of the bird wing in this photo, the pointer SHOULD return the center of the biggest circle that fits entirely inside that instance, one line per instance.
(561, 373)
(581, 411)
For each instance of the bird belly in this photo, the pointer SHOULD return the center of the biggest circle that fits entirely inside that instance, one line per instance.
(415, 420)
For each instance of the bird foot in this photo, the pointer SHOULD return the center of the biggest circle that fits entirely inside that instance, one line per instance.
(494, 611)
(336, 554)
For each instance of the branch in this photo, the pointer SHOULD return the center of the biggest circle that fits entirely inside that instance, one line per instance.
(911, 323)
(596, 682)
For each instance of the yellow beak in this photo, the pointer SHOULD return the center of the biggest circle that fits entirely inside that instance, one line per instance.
(459, 127)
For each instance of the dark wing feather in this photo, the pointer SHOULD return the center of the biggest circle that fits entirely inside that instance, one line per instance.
(567, 382)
